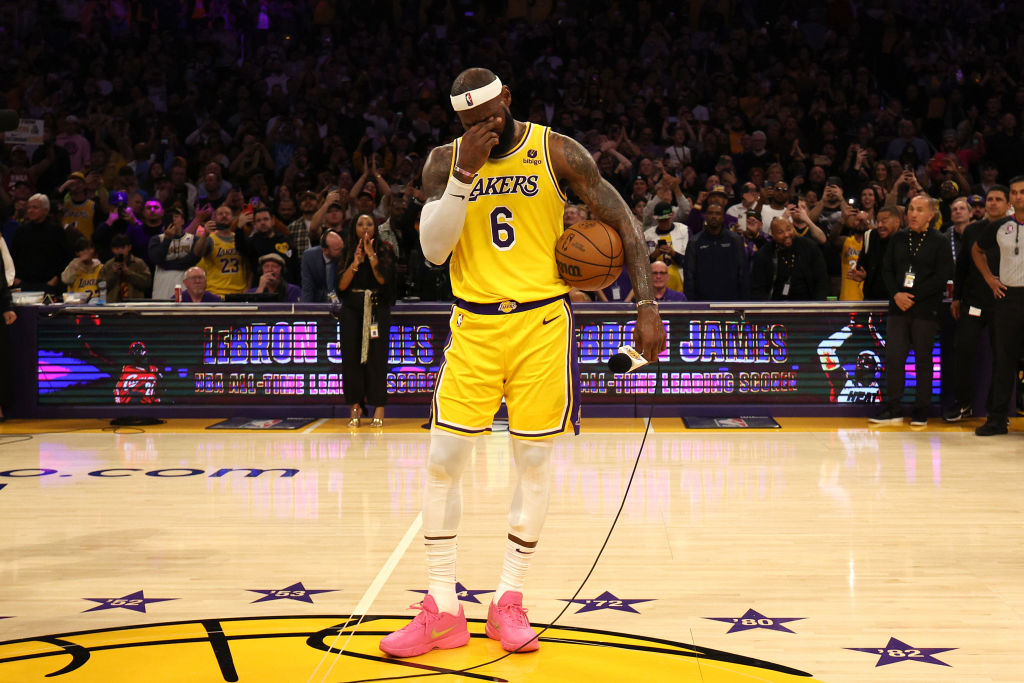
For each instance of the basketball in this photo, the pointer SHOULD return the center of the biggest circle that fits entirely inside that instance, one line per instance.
(589, 255)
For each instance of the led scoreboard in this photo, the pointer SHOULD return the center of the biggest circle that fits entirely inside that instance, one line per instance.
(821, 355)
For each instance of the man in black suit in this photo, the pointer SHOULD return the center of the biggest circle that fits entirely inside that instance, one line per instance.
(319, 268)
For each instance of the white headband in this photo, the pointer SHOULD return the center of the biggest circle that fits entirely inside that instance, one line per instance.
(468, 100)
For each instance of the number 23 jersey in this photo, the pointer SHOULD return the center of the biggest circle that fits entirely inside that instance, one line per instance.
(225, 266)
(514, 216)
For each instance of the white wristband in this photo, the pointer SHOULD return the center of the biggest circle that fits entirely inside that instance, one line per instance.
(441, 221)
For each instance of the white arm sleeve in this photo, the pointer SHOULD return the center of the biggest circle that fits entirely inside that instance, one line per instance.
(441, 221)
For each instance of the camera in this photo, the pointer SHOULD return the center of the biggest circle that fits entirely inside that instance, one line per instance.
(119, 258)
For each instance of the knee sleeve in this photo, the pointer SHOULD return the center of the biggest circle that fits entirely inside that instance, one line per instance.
(442, 495)
(530, 502)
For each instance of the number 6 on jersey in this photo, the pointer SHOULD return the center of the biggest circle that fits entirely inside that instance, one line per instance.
(503, 233)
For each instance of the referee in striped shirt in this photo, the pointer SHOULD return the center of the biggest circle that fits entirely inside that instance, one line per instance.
(1008, 315)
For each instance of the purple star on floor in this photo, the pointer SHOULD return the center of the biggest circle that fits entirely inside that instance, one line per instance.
(607, 601)
(897, 651)
(296, 592)
(752, 619)
(465, 595)
(134, 601)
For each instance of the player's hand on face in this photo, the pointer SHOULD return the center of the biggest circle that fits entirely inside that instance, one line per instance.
(478, 142)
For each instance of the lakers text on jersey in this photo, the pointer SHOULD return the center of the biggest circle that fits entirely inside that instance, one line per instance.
(507, 247)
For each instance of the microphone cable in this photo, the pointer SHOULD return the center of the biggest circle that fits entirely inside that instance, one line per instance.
(593, 566)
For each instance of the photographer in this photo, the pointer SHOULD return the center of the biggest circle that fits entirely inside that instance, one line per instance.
(127, 277)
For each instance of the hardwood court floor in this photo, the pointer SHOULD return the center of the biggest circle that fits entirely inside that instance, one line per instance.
(822, 551)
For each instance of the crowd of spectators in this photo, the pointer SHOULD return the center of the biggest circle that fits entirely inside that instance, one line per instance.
(755, 124)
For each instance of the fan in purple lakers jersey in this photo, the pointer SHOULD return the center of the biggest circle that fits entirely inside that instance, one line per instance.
(495, 202)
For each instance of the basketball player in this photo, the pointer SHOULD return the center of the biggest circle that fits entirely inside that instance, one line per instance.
(495, 204)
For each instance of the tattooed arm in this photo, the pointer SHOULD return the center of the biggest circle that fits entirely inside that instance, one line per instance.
(573, 164)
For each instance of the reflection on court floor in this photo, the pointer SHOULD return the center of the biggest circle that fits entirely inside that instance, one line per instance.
(822, 551)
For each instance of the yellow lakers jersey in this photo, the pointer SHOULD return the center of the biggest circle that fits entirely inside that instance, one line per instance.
(514, 218)
(225, 267)
(80, 216)
(87, 281)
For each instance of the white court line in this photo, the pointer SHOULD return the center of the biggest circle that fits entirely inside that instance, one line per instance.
(312, 427)
(373, 591)
(385, 572)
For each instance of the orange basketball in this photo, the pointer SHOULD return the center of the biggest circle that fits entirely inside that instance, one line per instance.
(589, 255)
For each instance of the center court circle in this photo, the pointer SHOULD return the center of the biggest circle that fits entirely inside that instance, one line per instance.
(298, 648)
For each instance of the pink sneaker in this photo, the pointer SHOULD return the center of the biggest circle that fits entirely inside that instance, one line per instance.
(428, 630)
(507, 622)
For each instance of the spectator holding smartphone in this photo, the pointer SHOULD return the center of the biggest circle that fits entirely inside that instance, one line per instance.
(127, 276)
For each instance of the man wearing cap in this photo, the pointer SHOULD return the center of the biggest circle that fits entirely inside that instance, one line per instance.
(330, 215)
(272, 268)
(977, 204)
(753, 235)
(495, 208)
(666, 242)
(972, 304)
(127, 277)
(79, 208)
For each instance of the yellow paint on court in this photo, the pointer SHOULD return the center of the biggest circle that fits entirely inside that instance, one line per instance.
(275, 649)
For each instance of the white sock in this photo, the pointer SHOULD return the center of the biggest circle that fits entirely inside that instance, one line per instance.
(514, 568)
(442, 511)
(441, 573)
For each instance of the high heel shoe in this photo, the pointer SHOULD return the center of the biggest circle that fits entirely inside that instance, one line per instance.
(377, 422)
(354, 415)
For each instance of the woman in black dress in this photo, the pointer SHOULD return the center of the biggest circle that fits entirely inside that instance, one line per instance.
(366, 288)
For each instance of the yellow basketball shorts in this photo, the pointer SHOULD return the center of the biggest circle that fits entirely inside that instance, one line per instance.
(524, 352)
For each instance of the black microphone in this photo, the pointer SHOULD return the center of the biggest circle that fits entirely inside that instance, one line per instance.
(627, 359)
(8, 120)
